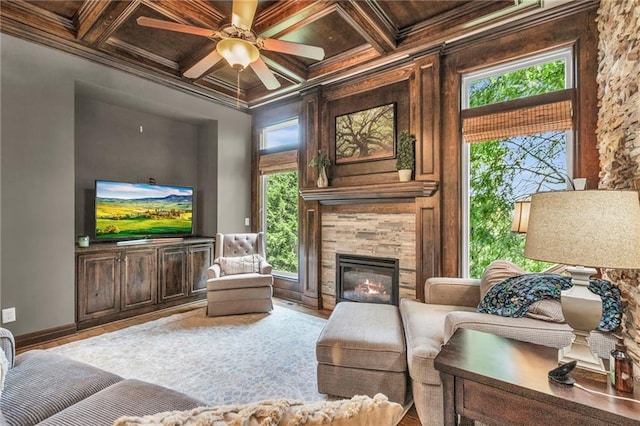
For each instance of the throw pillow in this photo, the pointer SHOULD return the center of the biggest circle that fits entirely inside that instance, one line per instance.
(357, 411)
(240, 264)
(546, 310)
(497, 271)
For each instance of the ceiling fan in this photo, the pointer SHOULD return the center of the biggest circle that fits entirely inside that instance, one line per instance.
(238, 44)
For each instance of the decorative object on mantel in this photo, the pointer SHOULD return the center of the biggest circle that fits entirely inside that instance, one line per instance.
(321, 162)
(405, 160)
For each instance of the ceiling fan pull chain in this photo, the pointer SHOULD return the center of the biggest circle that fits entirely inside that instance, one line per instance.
(238, 90)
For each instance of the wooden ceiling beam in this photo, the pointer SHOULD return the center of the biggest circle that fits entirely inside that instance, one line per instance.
(21, 13)
(286, 66)
(284, 16)
(452, 24)
(98, 20)
(365, 17)
(195, 12)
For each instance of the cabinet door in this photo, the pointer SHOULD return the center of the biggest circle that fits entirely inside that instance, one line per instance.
(98, 285)
(173, 273)
(200, 258)
(139, 278)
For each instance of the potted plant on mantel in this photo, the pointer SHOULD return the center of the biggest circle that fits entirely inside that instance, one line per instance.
(405, 160)
(321, 162)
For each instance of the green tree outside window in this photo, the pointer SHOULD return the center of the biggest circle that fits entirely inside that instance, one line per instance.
(504, 171)
(282, 221)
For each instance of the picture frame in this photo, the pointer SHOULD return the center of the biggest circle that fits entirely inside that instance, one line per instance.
(366, 135)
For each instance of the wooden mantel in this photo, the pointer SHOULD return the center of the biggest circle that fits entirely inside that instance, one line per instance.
(384, 192)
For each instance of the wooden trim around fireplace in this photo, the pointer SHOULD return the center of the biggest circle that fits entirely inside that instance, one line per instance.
(374, 193)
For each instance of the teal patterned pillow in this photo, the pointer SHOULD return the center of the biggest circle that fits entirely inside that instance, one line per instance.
(513, 296)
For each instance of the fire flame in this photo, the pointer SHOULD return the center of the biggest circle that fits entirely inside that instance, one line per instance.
(371, 288)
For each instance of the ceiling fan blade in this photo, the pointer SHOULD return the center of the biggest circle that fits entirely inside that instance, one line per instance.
(243, 12)
(203, 65)
(298, 49)
(174, 26)
(264, 74)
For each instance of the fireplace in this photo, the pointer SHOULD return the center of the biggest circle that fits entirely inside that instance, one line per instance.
(367, 279)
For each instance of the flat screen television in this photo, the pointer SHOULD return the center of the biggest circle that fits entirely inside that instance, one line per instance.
(133, 210)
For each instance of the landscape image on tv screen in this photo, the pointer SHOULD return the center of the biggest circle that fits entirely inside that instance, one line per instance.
(125, 210)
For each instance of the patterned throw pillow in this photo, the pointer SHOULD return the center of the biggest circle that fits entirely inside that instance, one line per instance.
(240, 264)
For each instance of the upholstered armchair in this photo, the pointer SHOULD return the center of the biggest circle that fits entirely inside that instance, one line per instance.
(240, 280)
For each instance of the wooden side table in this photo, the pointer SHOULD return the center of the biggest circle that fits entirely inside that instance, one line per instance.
(496, 380)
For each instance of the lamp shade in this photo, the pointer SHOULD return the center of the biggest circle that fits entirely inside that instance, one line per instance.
(237, 52)
(596, 228)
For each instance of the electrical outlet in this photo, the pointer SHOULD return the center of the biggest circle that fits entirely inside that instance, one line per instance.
(8, 315)
(247, 221)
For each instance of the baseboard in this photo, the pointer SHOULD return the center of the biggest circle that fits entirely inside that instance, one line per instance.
(44, 335)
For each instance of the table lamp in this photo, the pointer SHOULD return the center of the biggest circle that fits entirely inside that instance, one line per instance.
(589, 229)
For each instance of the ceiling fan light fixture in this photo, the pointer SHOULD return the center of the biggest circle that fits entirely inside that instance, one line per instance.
(237, 52)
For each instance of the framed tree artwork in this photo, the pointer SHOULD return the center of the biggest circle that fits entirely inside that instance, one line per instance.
(366, 135)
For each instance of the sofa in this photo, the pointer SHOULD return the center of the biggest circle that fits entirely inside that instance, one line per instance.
(450, 303)
(43, 388)
(48, 389)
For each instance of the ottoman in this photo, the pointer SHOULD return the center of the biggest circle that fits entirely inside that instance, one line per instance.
(362, 351)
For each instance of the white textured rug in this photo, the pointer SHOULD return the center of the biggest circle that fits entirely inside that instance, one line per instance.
(224, 360)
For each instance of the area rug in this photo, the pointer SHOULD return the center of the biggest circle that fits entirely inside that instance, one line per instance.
(224, 360)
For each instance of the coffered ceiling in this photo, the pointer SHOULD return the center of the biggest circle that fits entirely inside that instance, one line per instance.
(356, 36)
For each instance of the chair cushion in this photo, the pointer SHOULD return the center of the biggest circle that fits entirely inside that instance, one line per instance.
(239, 281)
(42, 384)
(240, 264)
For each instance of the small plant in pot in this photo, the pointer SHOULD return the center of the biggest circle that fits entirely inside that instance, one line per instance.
(321, 162)
(405, 159)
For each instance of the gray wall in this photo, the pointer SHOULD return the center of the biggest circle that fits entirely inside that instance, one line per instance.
(110, 146)
(37, 175)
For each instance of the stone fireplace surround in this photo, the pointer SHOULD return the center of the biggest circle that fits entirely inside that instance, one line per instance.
(398, 220)
(390, 235)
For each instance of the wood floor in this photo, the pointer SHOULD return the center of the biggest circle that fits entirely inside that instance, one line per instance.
(410, 419)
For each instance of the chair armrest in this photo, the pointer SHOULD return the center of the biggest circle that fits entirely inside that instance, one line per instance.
(214, 271)
(8, 345)
(547, 333)
(265, 267)
(452, 291)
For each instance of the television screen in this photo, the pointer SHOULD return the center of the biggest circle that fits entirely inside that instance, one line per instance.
(126, 210)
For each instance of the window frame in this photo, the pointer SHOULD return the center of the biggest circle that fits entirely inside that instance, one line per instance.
(274, 160)
(565, 53)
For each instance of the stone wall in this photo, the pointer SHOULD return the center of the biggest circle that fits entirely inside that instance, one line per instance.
(390, 235)
(618, 132)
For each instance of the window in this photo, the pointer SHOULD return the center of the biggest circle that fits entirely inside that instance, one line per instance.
(278, 165)
(516, 121)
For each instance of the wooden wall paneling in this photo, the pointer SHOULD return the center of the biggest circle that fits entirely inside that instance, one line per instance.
(286, 288)
(450, 153)
(393, 88)
(577, 31)
(428, 241)
(426, 127)
(310, 256)
(585, 142)
(311, 136)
